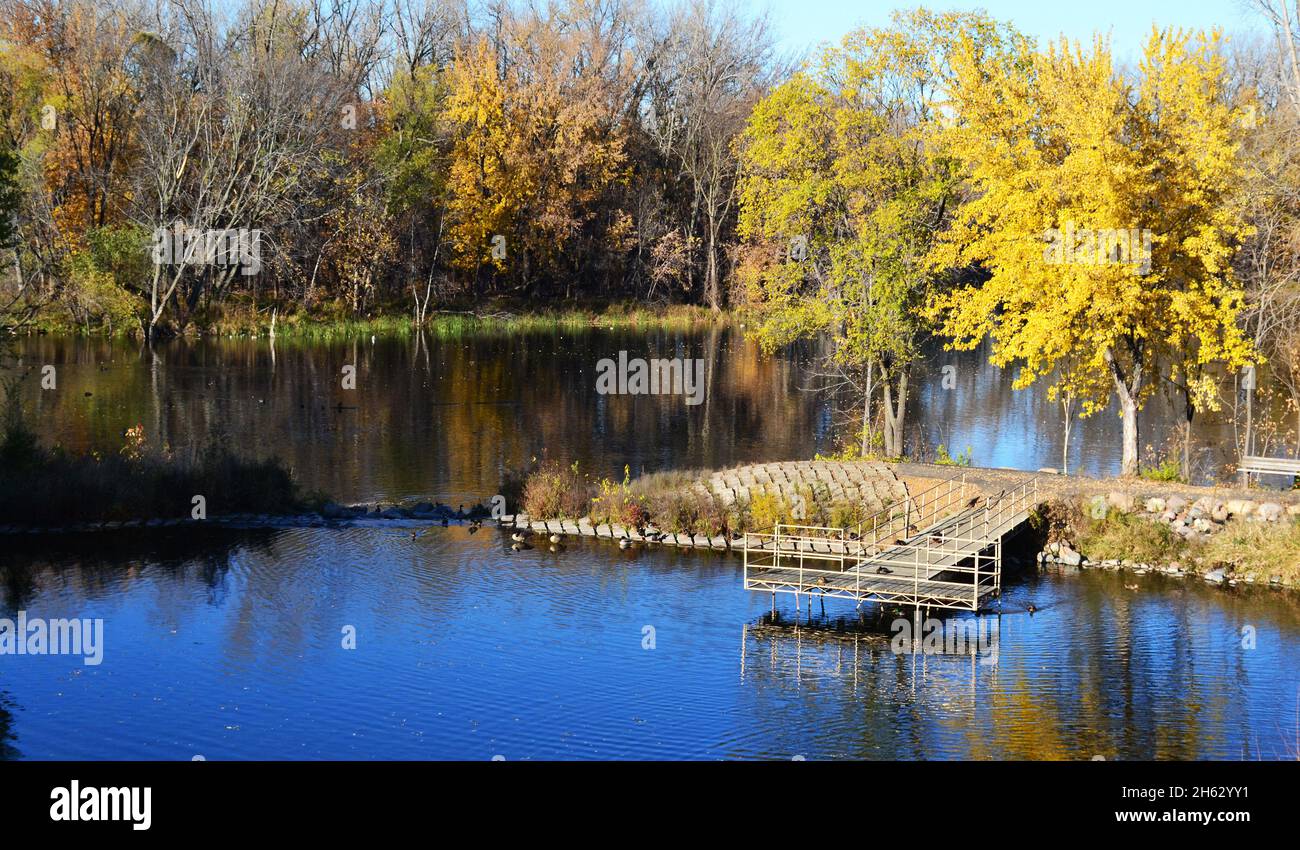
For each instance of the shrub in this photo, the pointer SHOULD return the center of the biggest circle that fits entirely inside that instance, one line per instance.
(1055, 520)
(555, 491)
(675, 511)
(687, 511)
(55, 488)
(1169, 469)
(113, 260)
(846, 514)
(631, 514)
(766, 510)
(942, 458)
(713, 518)
(617, 503)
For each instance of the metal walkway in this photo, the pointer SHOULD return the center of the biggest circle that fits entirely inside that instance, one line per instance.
(939, 548)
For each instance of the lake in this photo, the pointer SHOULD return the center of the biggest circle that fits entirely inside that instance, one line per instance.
(230, 644)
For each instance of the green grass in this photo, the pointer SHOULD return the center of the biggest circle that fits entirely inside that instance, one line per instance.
(1122, 536)
(1256, 549)
(331, 322)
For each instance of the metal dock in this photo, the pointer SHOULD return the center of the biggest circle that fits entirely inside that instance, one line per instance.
(940, 548)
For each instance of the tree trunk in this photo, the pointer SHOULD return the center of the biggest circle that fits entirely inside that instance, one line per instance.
(1249, 446)
(1127, 388)
(1066, 407)
(866, 413)
(894, 416)
(1128, 413)
(711, 288)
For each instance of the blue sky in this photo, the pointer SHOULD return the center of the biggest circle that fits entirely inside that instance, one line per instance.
(804, 23)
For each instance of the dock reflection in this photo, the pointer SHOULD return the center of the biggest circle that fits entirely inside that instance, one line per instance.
(926, 654)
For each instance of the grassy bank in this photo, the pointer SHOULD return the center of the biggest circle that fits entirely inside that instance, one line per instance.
(1245, 549)
(494, 317)
(51, 487)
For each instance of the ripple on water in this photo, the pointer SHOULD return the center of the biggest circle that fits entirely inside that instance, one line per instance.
(467, 649)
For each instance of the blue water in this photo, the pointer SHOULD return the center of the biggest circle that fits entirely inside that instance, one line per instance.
(467, 650)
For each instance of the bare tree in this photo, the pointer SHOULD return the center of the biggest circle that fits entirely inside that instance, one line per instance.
(711, 64)
(237, 117)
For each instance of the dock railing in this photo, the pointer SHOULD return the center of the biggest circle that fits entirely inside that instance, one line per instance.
(916, 511)
(952, 549)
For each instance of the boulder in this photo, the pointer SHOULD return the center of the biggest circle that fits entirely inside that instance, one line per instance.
(1270, 511)
(1155, 505)
(1121, 501)
(1240, 507)
(1175, 504)
(1220, 512)
(1215, 576)
(1069, 557)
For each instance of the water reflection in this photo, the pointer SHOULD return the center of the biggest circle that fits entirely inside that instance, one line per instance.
(440, 418)
(1096, 672)
(466, 649)
(7, 737)
(92, 565)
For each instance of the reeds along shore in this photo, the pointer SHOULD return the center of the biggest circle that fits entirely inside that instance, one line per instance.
(480, 318)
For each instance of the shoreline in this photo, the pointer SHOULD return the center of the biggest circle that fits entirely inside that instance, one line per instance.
(506, 315)
(1219, 534)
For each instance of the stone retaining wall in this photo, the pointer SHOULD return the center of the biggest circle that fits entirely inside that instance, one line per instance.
(873, 484)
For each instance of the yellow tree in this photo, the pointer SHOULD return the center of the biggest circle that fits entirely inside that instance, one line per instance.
(1101, 218)
(538, 141)
(842, 196)
(91, 103)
